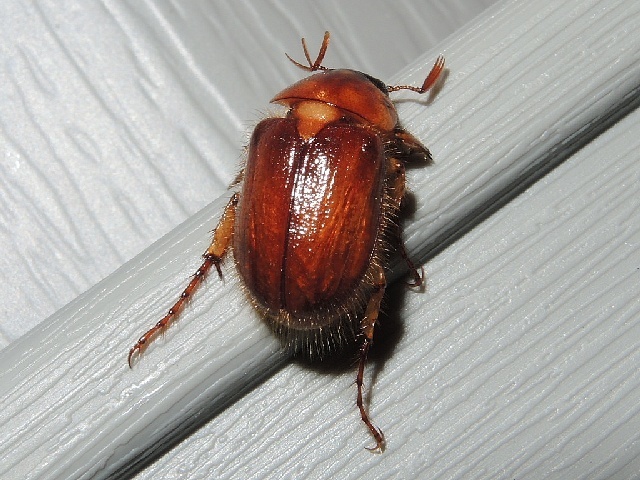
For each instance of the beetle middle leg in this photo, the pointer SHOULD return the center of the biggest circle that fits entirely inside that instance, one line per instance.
(396, 171)
(212, 257)
(367, 326)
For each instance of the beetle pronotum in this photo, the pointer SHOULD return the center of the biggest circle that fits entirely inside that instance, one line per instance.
(316, 219)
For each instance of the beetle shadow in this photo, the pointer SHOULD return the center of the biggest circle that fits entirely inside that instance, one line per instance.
(388, 332)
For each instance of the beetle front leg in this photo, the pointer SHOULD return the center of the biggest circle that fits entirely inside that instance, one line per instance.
(410, 148)
(220, 242)
(367, 326)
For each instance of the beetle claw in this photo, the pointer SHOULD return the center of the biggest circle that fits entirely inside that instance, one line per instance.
(216, 263)
(381, 444)
(418, 279)
(137, 348)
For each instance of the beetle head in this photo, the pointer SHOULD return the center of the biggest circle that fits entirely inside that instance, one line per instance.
(348, 90)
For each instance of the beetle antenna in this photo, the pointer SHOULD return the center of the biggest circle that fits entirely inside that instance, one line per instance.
(429, 82)
(317, 65)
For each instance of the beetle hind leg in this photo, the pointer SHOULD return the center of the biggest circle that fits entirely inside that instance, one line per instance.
(212, 257)
(367, 326)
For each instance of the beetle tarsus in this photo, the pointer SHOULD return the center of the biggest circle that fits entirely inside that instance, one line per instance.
(216, 263)
(376, 433)
(367, 327)
(381, 443)
(417, 279)
(136, 347)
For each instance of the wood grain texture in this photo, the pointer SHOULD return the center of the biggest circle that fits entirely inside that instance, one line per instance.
(119, 120)
(519, 361)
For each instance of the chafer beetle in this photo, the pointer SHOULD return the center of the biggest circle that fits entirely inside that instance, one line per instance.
(315, 221)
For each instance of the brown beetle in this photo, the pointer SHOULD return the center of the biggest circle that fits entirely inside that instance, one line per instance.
(312, 229)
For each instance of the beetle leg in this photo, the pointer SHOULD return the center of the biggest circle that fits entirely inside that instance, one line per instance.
(238, 180)
(219, 244)
(396, 171)
(410, 148)
(418, 277)
(367, 326)
(223, 234)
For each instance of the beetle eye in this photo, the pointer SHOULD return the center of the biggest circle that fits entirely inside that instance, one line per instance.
(380, 85)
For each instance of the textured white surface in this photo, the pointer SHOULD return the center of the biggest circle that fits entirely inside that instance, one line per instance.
(119, 120)
(521, 362)
(510, 99)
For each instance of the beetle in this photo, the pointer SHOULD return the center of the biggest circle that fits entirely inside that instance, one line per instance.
(315, 222)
